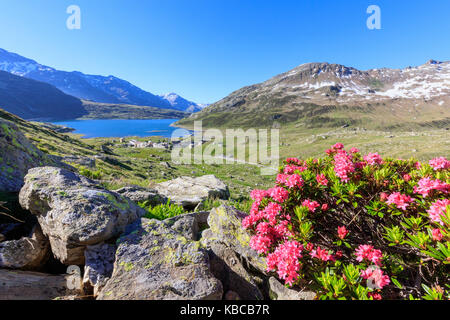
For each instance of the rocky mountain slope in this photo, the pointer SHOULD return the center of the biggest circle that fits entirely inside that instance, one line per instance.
(32, 99)
(329, 90)
(106, 89)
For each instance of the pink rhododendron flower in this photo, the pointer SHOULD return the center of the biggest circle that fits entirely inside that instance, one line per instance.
(282, 179)
(271, 212)
(426, 185)
(343, 165)
(261, 243)
(400, 200)
(325, 207)
(334, 149)
(437, 234)
(255, 207)
(338, 146)
(311, 205)
(293, 161)
(406, 177)
(290, 169)
(354, 150)
(375, 296)
(342, 232)
(373, 159)
(360, 164)
(383, 196)
(322, 254)
(254, 217)
(281, 230)
(279, 194)
(294, 180)
(322, 179)
(376, 277)
(440, 163)
(285, 260)
(258, 195)
(248, 221)
(437, 210)
(369, 253)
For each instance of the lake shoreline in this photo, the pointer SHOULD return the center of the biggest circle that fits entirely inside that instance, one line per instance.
(122, 128)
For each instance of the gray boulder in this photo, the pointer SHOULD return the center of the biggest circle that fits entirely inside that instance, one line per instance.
(189, 225)
(139, 194)
(98, 267)
(225, 227)
(189, 192)
(278, 291)
(231, 255)
(26, 285)
(154, 262)
(227, 266)
(28, 253)
(74, 212)
(17, 156)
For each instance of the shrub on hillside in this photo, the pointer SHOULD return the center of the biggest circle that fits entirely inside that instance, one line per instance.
(162, 211)
(357, 227)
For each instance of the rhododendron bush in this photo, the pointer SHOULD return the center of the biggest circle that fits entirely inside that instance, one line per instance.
(353, 226)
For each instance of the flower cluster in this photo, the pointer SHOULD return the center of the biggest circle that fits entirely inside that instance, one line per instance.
(373, 159)
(354, 226)
(427, 185)
(367, 252)
(438, 210)
(400, 200)
(376, 277)
(285, 259)
(440, 163)
(343, 165)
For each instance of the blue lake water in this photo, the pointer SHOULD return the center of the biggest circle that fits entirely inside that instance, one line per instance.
(125, 128)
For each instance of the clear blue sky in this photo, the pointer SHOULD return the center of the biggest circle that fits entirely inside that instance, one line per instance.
(205, 49)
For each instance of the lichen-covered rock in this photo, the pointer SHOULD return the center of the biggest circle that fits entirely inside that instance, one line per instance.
(74, 212)
(189, 192)
(28, 253)
(139, 194)
(231, 255)
(226, 227)
(99, 266)
(154, 262)
(189, 225)
(17, 156)
(26, 285)
(227, 266)
(278, 291)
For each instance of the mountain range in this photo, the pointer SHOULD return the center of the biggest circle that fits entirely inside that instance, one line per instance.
(31, 99)
(103, 89)
(324, 93)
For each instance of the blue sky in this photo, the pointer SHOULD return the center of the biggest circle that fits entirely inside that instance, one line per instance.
(205, 49)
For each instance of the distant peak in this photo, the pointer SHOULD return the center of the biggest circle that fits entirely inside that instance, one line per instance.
(434, 62)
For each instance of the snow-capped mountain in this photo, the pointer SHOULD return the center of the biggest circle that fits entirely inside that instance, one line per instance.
(107, 89)
(334, 84)
(324, 94)
(179, 103)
